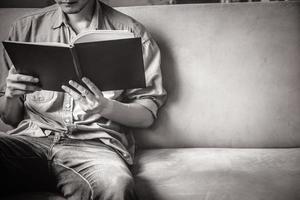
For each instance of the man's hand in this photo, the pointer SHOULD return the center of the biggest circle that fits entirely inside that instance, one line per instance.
(92, 102)
(19, 84)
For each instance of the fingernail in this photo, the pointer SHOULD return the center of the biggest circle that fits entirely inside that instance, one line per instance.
(36, 80)
(70, 82)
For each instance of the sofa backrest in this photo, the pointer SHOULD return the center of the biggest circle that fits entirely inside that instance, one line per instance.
(232, 72)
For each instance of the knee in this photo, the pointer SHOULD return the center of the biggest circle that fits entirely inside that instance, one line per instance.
(116, 187)
(71, 184)
(121, 182)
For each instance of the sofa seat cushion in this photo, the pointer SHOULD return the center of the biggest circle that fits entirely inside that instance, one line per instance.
(218, 174)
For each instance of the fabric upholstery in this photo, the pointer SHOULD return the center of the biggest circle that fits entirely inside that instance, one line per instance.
(231, 71)
(218, 174)
(212, 174)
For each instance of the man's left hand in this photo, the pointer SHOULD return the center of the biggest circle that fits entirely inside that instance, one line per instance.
(91, 101)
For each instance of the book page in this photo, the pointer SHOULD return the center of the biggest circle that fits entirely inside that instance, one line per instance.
(101, 35)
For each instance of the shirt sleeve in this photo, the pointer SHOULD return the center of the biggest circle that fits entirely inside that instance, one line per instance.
(154, 95)
(5, 62)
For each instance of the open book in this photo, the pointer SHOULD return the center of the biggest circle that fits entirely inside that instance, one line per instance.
(112, 59)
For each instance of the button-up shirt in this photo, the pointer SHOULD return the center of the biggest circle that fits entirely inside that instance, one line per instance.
(49, 112)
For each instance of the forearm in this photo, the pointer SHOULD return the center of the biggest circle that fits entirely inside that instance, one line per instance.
(92, 100)
(11, 110)
(128, 114)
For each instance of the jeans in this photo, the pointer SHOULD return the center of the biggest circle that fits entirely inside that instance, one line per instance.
(78, 169)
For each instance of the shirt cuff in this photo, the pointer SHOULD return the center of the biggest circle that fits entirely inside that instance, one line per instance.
(149, 105)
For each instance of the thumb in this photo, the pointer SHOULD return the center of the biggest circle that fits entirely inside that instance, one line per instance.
(12, 70)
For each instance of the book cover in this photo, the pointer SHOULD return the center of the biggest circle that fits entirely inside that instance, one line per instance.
(113, 60)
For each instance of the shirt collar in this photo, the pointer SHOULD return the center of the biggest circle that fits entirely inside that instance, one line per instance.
(59, 18)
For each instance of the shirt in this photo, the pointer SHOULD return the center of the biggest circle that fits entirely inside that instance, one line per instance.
(49, 112)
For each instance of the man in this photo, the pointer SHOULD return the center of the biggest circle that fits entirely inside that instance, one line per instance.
(78, 137)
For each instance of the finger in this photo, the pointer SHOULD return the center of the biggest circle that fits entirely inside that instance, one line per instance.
(19, 92)
(23, 87)
(15, 76)
(14, 93)
(22, 78)
(17, 89)
(72, 93)
(92, 86)
(81, 89)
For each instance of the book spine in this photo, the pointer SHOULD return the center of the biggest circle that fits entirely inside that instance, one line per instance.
(76, 62)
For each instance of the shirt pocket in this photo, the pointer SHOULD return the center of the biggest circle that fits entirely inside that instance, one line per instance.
(40, 96)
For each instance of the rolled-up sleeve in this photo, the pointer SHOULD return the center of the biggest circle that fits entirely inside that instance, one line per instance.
(154, 95)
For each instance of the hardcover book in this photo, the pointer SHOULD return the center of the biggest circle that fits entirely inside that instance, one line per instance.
(112, 59)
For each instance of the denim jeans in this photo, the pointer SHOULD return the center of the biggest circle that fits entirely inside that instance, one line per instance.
(79, 169)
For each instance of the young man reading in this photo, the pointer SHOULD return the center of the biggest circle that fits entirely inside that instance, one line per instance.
(78, 137)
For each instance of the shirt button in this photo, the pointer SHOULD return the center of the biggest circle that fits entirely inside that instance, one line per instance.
(126, 155)
(67, 120)
(67, 106)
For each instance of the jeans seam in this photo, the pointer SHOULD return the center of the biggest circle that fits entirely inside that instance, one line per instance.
(82, 177)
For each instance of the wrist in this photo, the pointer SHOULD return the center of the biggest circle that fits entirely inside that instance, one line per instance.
(107, 107)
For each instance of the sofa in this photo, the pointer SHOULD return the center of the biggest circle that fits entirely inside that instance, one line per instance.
(230, 129)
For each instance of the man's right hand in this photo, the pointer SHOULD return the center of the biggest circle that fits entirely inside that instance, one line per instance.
(19, 84)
